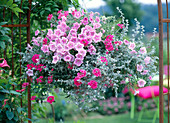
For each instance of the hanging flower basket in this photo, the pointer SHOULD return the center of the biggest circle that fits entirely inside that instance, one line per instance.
(84, 54)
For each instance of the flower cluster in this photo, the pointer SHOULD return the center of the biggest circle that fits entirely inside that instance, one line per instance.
(84, 53)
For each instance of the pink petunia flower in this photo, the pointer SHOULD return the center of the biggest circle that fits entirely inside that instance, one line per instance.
(77, 14)
(80, 56)
(25, 84)
(150, 77)
(79, 46)
(37, 32)
(97, 37)
(67, 58)
(45, 49)
(55, 59)
(93, 84)
(143, 50)
(144, 72)
(126, 42)
(52, 46)
(139, 67)
(96, 72)
(147, 60)
(82, 52)
(141, 83)
(132, 46)
(4, 63)
(70, 45)
(78, 61)
(50, 99)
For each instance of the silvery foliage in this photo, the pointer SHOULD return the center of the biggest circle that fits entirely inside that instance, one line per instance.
(121, 64)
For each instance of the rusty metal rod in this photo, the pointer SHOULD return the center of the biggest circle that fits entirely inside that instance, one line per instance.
(15, 25)
(168, 53)
(161, 100)
(12, 45)
(28, 41)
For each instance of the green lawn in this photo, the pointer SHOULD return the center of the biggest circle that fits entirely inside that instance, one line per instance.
(120, 118)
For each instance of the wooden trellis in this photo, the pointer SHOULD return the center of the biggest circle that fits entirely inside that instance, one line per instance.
(28, 41)
(161, 96)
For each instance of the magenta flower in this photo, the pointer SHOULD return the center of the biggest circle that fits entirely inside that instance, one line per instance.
(139, 67)
(35, 58)
(4, 63)
(132, 46)
(147, 60)
(96, 25)
(143, 50)
(49, 17)
(141, 83)
(104, 59)
(85, 21)
(33, 97)
(25, 84)
(55, 59)
(50, 79)
(77, 81)
(78, 61)
(50, 99)
(121, 25)
(30, 72)
(96, 72)
(82, 73)
(39, 79)
(67, 58)
(84, 42)
(93, 84)
(77, 14)
(150, 77)
(45, 49)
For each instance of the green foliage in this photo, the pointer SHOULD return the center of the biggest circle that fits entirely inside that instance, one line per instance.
(9, 4)
(130, 9)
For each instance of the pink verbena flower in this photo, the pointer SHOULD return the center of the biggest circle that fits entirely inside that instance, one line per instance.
(104, 59)
(33, 97)
(39, 79)
(93, 84)
(141, 83)
(50, 79)
(25, 84)
(84, 42)
(120, 25)
(139, 67)
(45, 41)
(35, 58)
(77, 81)
(81, 74)
(147, 60)
(143, 50)
(50, 99)
(30, 66)
(96, 72)
(49, 17)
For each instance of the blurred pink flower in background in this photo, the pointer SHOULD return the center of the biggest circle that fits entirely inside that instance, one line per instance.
(4, 63)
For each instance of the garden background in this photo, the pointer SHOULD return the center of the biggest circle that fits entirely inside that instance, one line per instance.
(117, 110)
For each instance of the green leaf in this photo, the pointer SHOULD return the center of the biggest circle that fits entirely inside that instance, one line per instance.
(48, 9)
(2, 44)
(2, 97)
(42, 12)
(9, 114)
(19, 109)
(4, 91)
(3, 23)
(17, 9)
(9, 3)
(14, 92)
(16, 118)
(6, 38)
(0, 110)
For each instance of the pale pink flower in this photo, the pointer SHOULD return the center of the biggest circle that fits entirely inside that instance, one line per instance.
(45, 49)
(55, 59)
(80, 56)
(77, 14)
(132, 46)
(64, 40)
(97, 37)
(126, 42)
(73, 39)
(30, 72)
(58, 32)
(50, 31)
(78, 61)
(82, 36)
(96, 72)
(144, 72)
(96, 25)
(147, 60)
(133, 52)
(76, 25)
(37, 32)
(141, 83)
(82, 52)
(67, 58)
(92, 33)
(139, 67)
(70, 45)
(79, 46)
(59, 48)
(143, 50)
(52, 46)
(97, 19)
(91, 49)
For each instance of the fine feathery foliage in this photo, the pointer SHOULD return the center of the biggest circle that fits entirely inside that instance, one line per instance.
(84, 54)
